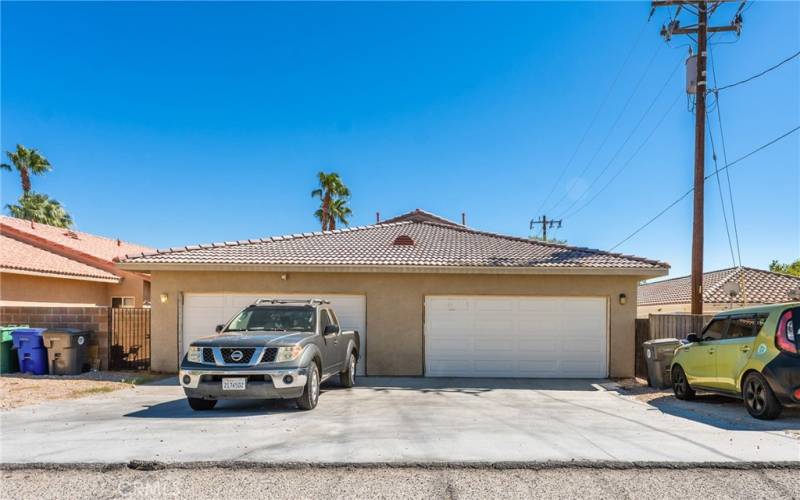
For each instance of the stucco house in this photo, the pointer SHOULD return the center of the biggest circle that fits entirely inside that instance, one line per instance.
(723, 289)
(428, 296)
(43, 265)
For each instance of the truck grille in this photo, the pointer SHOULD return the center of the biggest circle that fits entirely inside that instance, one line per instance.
(269, 354)
(246, 354)
(208, 355)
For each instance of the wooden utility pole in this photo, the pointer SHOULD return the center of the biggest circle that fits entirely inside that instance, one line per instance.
(544, 221)
(701, 29)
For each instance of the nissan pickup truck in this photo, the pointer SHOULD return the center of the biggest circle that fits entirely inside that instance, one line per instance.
(272, 349)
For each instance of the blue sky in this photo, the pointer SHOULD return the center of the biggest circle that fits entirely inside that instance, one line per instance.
(179, 123)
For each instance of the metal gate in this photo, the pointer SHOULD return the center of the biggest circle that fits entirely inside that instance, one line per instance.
(129, 341)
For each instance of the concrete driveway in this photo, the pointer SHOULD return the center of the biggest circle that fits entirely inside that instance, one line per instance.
(400, 420)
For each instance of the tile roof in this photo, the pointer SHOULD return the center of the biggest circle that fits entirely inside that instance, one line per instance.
(434, 245)
(97, 246)
(18, 256)
(756, 286)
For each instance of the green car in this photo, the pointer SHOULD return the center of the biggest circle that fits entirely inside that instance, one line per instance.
(750, 353)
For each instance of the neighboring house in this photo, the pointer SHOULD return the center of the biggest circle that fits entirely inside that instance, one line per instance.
(723, 289)
(428, 296)
(46, 265)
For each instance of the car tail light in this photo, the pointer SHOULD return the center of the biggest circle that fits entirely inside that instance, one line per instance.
(786, 335)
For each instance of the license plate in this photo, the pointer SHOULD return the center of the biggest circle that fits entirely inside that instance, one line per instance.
(233, 384)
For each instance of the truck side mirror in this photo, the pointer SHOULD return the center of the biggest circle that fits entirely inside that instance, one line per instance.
(329, 329)
(692, 337)
(219, 328)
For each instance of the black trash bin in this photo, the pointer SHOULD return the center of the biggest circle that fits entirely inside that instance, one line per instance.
(67, 350)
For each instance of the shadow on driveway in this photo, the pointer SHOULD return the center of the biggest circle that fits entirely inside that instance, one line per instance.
(179, 409)
(476, 386)
(725, 413)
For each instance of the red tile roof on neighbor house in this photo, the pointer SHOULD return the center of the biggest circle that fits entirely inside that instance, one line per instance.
(756, 286)
(19, 256)
(432, 245)
(34, 248)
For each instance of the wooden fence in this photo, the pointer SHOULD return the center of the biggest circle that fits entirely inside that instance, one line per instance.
(665, 326)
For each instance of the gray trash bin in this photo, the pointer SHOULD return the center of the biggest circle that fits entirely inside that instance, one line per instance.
(658, 356)
(67, 350)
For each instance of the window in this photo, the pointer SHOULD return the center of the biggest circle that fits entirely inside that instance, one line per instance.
(280, 319)
(746, 326)
(123, 302)
(324, 320)
(334, 319)
(715, 330)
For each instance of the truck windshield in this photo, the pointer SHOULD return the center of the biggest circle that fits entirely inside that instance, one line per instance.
(276, 319)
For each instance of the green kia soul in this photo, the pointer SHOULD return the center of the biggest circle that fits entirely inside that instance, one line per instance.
(750, 353)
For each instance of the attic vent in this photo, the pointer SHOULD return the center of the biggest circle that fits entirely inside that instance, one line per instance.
(403, 239)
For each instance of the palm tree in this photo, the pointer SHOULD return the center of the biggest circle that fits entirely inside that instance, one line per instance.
(27, 162)
(331, 190)
(40, 208)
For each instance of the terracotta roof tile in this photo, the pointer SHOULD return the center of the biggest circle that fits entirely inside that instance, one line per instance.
(435, 244)
(97, 246)
(756, 286)
(19, 256)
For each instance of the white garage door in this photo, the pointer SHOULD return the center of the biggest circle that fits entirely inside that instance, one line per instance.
(515, 337)
(203, 312)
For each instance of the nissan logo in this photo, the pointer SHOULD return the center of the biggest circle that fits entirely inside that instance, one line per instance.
(237, 356)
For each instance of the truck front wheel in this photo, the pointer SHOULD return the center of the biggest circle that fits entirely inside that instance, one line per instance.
(199, 404)
(308, 401)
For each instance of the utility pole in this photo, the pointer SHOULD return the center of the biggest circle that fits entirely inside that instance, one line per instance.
(699, 88)
(544, 221)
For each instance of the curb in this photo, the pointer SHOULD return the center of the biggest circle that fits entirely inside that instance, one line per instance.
(140, 465)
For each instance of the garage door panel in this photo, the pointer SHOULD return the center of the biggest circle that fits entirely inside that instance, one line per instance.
(515, 337)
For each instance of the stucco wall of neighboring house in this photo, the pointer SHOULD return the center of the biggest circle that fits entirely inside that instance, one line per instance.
(645, 311)
(22, 288)
(395, 307)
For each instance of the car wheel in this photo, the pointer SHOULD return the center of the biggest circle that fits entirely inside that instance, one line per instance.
(680, 385)
(759, 399)
(308, 401)
(199, 404)
(347, 378)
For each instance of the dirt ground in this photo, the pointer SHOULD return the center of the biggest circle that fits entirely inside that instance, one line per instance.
(21, 390)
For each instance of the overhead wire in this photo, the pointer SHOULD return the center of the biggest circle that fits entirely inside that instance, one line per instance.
(594, 118)
(758, 75)
(687, 193)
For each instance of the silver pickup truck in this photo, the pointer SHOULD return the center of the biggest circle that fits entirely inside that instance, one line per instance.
(273, 349)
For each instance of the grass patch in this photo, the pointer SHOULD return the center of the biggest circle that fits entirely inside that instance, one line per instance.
(144, 378)
(95, 390)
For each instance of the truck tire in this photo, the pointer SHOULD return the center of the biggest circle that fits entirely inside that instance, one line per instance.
(199, 404)
(308, 401)
(680, 384)
(759, 399)
(347, 378)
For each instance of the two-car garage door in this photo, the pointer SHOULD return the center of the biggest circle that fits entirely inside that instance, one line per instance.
(516, 337)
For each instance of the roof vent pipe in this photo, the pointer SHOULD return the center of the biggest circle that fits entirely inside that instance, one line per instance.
(377, 217)
(463, 218)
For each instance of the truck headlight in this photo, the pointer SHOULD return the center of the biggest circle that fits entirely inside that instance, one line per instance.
(288, 353)
(195, 355)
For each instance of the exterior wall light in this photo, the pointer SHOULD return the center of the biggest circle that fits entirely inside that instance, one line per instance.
(284, 277)
(164, 298)
(623, 299)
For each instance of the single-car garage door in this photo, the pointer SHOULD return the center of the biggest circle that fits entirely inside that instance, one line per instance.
(516, 337)
(202, 312)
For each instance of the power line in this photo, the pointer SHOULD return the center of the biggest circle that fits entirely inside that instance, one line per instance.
(687, 193)
(740, 82)
(627, 139)
(613, 125)
(594, 118)
(721, 197)
(630, 159)
(725, 155)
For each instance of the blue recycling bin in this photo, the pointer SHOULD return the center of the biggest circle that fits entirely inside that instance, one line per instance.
(30, 349)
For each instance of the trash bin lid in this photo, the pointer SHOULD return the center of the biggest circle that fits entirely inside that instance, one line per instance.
(21, 331)
(662, 342)
(66, 331)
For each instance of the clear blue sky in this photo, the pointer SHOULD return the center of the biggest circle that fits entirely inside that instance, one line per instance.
(178, 123)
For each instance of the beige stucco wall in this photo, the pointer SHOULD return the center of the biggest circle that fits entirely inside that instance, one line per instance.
(395, 306)
(23, 288)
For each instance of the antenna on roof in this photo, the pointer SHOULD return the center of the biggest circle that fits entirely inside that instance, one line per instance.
(463, 218)
(377, 217)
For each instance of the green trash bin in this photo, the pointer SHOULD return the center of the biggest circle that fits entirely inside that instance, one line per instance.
(9, 361)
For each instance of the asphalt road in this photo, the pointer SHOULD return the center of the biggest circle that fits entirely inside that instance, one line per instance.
(382, 482)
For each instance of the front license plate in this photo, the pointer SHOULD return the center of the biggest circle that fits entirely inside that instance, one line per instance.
(233, 384)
